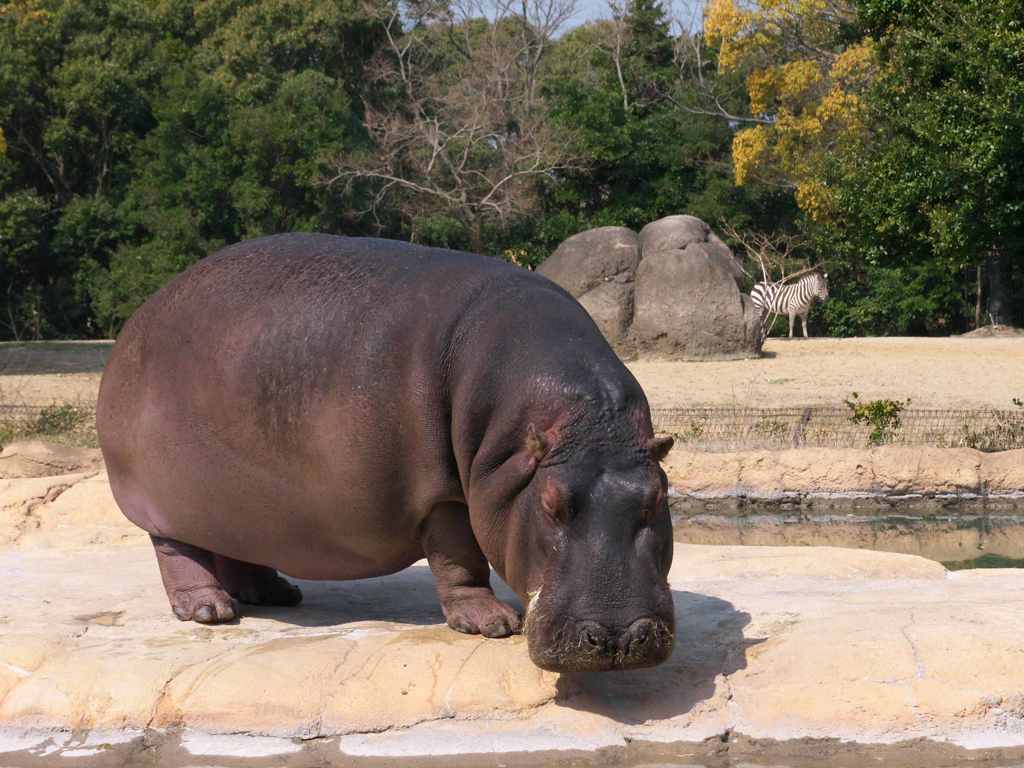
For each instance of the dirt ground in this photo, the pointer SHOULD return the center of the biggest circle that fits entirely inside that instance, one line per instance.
(52, 373)
(934, 373)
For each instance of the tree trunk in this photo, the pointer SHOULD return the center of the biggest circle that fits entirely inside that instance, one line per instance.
(1000, 301)
(977, 300)
(475, 235)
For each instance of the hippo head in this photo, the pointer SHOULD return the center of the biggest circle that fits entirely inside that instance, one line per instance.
(593, 547)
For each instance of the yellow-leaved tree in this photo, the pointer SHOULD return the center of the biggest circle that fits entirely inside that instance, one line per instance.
(803, 79)
(24, 11)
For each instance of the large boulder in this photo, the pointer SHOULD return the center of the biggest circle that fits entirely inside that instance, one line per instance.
(687, 303)
(671, 292)
(597, 267)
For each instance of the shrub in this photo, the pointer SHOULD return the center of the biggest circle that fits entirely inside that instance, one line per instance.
(883, 416)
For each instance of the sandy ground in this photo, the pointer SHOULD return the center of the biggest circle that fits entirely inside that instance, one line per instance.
(48, 373)
(934, 373)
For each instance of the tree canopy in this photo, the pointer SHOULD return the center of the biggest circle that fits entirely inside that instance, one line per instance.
(137, 136)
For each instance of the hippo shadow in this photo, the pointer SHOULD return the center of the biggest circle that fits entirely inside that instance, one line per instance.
(709, 644)
(407, 597)
(53, 357)
(709, 641)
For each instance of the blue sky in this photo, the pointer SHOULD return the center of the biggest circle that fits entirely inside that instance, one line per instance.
(598, 9)
(591, 9)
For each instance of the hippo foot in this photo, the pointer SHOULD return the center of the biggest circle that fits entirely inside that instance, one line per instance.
(206, 604)
(477, 611)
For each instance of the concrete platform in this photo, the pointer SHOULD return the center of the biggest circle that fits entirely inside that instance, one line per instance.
(781, 644)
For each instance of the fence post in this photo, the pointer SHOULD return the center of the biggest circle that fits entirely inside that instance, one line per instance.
(798, 433)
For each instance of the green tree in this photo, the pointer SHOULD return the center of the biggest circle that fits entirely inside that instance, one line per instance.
(140, 135)
(934, 190)
(73, 83)
(642, 156)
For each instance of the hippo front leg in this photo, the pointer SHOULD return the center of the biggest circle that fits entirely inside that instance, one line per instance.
(463, 575)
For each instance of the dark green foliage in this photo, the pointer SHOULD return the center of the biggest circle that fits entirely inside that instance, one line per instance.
(985, 561)
(936, 186)
(641, 156)
(140, 136)
(878, 16)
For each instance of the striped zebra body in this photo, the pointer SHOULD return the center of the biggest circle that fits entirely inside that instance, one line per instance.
(792, 299)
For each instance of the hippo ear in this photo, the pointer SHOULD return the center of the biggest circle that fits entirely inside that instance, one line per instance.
(536, 445)
(554, 501)
(658, 447)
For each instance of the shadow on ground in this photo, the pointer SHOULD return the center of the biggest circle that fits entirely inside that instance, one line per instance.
(22, 359)
(709, 643)
(333, 603)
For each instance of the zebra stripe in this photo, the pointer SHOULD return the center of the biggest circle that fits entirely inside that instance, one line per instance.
(795, 298)
(792, 299)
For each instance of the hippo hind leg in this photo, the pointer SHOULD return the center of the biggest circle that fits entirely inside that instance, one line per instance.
(190, 579)
(255, 584)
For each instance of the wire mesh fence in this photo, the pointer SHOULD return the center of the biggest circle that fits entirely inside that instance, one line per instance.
(733, 429)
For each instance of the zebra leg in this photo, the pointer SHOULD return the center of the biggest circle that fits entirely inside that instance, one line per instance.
(792, 318)
(803, 319)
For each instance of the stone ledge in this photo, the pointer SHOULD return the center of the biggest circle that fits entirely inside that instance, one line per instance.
(784, 644)
(885, 471)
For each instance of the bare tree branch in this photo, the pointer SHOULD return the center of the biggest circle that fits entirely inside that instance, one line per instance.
(773, 252)
(467, 136)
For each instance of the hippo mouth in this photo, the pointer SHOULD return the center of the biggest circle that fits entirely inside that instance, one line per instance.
(572, 645)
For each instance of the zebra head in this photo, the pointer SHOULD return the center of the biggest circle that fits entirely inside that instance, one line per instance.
(820, 284)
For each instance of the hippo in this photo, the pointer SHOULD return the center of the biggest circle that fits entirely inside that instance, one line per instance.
(339, 408)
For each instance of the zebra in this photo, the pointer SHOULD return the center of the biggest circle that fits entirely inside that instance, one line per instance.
(793, 299)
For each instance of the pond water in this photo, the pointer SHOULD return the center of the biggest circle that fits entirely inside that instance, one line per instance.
(731, 751)
(985, 561)
(964, 532)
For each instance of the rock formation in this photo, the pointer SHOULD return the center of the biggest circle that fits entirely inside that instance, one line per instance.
(671, 292)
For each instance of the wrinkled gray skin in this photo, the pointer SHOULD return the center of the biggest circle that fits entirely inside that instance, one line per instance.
(337, 408)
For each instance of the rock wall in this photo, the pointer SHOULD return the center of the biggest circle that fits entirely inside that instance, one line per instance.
(885, 471)
(670, 292)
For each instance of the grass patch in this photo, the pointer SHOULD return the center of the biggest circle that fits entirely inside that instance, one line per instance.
(64, 423)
